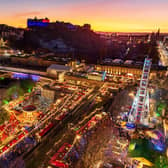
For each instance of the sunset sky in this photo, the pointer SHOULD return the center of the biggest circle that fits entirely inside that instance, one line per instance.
(103, 15)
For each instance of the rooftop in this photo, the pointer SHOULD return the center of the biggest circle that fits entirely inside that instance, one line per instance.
(59, 67)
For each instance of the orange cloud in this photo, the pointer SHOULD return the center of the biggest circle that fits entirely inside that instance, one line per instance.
(103, 15)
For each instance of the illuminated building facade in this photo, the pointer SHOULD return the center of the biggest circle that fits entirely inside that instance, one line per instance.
(48, 93)
(99, 76)
(117, 70)
(37, 22)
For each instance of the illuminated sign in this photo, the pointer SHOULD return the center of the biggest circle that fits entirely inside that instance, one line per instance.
(37, 23)
(104, 75)
(130, 125)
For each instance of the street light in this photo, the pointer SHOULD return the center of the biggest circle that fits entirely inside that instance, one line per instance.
(131, 94)
(78, 137)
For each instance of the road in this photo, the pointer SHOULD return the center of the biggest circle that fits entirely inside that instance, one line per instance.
(21, 70)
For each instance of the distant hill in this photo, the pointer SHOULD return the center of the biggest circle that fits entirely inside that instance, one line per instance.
(85, 43)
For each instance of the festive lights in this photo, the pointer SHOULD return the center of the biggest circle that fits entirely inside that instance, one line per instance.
(35, 78)
(140, 108)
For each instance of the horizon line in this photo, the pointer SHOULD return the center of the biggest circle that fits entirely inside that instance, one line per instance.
(105, 31)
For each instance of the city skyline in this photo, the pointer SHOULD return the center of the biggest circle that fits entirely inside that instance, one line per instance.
(110, 16)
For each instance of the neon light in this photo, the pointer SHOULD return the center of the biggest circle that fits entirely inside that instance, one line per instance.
(104, 75)
(157, 114)
(35, 78)
(130, 125)
(37, 23)
(29, 90)
(2, 78)
(45, 21)
(159, 147)
(5, 102)
(132, 146)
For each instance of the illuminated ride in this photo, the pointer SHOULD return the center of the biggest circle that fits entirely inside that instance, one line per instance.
(139, 113)
(157, 140)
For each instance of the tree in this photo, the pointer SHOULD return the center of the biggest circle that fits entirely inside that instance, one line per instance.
(141, 148)
(4, 116)
(161, 162)
(160, 107)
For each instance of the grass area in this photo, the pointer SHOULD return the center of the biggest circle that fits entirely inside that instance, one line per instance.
(141, 148)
